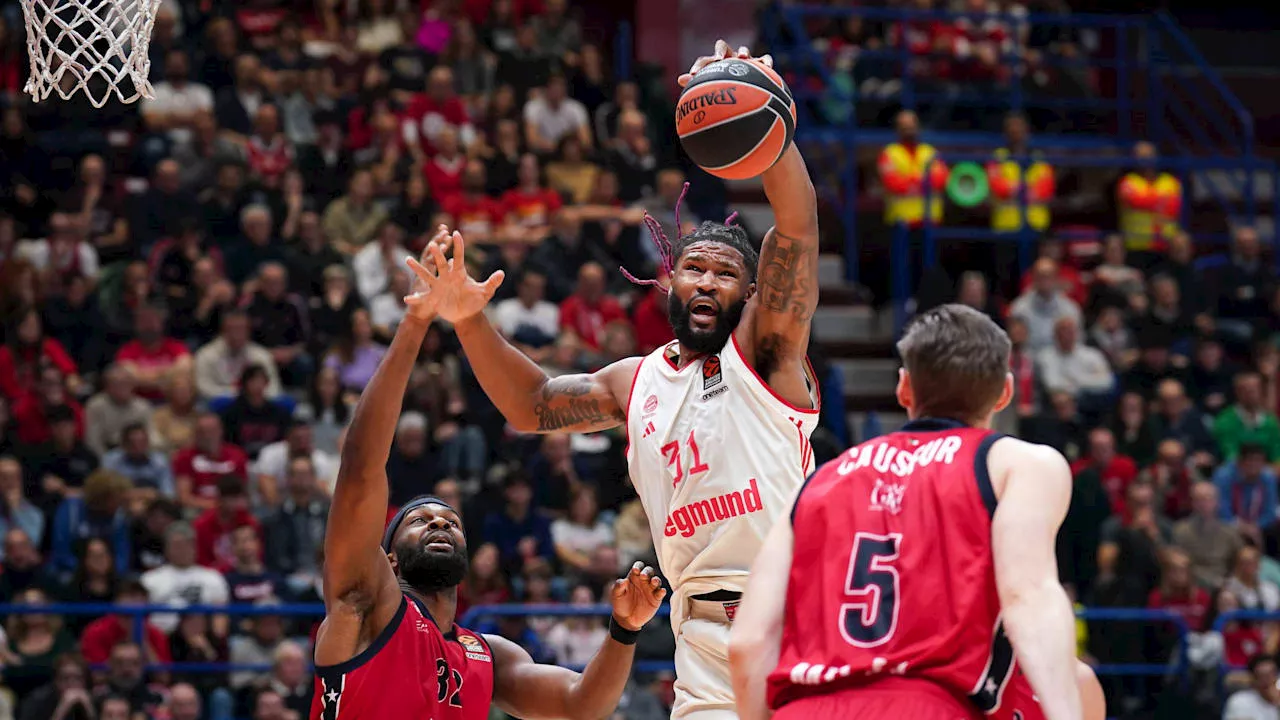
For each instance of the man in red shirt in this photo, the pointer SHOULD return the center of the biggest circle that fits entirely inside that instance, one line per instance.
(427, 115)
(1117, 470)
(474, 212)
(151, 357)
(215, 526)
(196, 469)
(444, 170)
(106, 632)
(1177, 593)
(588, 310)
(530, 206)
(33, 412)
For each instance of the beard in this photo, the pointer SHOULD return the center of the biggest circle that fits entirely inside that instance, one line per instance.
(429, 572)
(703, 342)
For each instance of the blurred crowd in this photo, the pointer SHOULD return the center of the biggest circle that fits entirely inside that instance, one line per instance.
(194, 290)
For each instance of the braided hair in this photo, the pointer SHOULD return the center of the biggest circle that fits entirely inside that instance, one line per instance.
(725, 233)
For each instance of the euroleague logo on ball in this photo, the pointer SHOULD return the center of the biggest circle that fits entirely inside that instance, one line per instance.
(698, 103)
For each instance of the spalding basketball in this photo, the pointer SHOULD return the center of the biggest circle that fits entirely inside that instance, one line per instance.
(735, 118)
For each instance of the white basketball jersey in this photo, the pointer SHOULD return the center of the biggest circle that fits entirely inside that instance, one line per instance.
(716, 457)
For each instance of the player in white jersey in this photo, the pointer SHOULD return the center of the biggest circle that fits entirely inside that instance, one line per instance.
(718, 421)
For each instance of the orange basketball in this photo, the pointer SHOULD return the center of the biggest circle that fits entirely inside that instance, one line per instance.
(735, 118)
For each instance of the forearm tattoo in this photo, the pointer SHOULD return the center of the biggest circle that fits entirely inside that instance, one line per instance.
(566, 403)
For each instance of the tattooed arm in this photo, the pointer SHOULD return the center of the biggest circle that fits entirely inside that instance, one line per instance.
(533, 402)
(787, 282)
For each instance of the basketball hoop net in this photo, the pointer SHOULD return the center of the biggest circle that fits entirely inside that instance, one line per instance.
(100, 46)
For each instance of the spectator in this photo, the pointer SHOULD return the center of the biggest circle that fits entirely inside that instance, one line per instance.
(161, 211)
(572, 173)
(1239, 291)
(192, 642)
(331, 311)
(23, 566)
(273, 462)
(570, 639)
(235, 105)
(1043, 305)
(577, 536)
(1211, 543)
(327, 409)
(1153, 366)
(1113, 337)
(411, 470)
(518, 529)
(66, 697)
(1166, 312)
(184, 702)
(105, 633)
(1130, 549)
(176, 101)
(1260, 700)
(16, 512)
(180, 581)
(1252, 590)
(197, 318)
(356, 355)
(126, 669)
(1134, 436)
(1114, 279)
(1248, 421)
(109, 412)
(149, 531)
(94, 580)
(552, 116)
(279, 322)
(650, 319)
(530, 206)
(252, 420)
(388, 309)
(589, 309)
(295, 530)
(1070, 367)
(64, 462)
(64, 254)
(485, 583)
(36, 639)
(556, 473)
(257, 647)
(352, 220)
(215, 528)
(76, 321)
(476, 215)
(174, 422)
(1172, 476)
(1248, 488)
(35, 411)
(1178, 419)
(445, 170)
(1210, 377)
(308, 257)
(152, 358)
(101, 512)
(26, 352)
(256, 246)
(1116, 471)
(147, 469)
(376, 262)
(289, 679)
(1178, 594)
(221, 364)
(196, 469)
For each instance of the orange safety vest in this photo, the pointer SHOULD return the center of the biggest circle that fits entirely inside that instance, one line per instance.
(904, 169)
(1149, 210)
(1006, 178)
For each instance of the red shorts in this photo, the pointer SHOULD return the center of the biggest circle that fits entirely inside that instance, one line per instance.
(886, 699)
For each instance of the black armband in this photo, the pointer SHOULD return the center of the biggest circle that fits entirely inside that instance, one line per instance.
(621, 634)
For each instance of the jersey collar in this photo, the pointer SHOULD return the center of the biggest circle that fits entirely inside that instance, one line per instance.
(932, 425)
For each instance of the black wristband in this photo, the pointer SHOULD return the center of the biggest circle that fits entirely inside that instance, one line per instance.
(621, 634)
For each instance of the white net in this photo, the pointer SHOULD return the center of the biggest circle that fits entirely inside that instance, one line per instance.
(98, 46)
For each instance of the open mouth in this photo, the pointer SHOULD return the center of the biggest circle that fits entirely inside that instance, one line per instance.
(439, 542)
(704, 310)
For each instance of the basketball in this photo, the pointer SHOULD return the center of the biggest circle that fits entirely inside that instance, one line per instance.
(735, 118)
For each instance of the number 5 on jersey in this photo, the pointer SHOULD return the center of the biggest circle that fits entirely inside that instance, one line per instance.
(672, 452)
(869, 614)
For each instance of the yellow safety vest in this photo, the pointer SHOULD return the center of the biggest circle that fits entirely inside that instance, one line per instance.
(1006, 214)
(909, 207)
(1147, 229)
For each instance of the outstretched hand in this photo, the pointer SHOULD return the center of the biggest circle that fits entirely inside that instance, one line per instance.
(443, 284)
(722, 51)
(637, 596)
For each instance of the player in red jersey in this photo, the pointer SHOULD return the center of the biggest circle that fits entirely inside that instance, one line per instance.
(922, 576)
(389, 648)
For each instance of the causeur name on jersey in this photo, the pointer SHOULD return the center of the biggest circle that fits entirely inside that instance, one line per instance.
(885, 458)
(687, 519)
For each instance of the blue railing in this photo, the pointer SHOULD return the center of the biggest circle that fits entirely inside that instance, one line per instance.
(1151, 83)
(475, 614)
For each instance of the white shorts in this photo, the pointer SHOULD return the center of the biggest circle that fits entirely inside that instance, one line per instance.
(703, 689)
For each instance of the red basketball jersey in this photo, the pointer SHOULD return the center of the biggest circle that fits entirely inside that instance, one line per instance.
(892, 573)
(412, 670)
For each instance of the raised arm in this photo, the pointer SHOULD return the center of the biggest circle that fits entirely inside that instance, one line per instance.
(531, 691)
(529, 399)
(1033, 484)
(361, 593)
